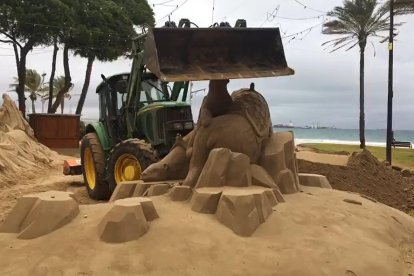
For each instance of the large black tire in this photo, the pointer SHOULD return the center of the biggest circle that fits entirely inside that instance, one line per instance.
(93, 167)
(130, 152)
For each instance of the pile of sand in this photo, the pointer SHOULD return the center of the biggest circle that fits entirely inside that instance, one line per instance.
(20, 153)
(314, 233)
(366, 175)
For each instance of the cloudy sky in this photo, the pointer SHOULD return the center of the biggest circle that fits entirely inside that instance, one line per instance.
(324, 88)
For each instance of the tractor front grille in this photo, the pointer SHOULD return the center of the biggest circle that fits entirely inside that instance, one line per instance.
(172, 114)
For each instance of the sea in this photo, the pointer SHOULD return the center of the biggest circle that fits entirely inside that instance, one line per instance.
(373, 137)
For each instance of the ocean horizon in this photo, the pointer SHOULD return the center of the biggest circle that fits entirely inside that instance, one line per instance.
(374, 137)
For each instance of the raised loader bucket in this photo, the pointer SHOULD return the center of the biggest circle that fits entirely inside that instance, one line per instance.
(185, 54)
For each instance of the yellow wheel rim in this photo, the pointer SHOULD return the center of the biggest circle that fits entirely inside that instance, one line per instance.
(127, 168)
(89, 167)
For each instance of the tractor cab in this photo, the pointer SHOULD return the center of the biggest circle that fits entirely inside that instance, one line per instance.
(159, 113)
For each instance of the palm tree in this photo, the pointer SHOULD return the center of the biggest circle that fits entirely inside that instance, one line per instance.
(355, 22)
(33, 85)
(404, 6)
(58, 84)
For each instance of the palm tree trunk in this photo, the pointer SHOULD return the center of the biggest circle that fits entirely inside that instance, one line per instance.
(362, 97)
(62, 105)
(85, 87)
(33, 106)
(52, 74)
(68, 80)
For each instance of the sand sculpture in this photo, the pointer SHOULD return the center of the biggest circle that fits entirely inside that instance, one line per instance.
(247, 114)
(127, 220)
(39, 214)
(139, 189)
(231, 165)
(175, 164)
(245, 127)
(19, 150)
(237, 167)
(217, 103)
(328, 235)
(314, 180)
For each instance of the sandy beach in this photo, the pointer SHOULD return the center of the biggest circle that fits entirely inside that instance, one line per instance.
(315, 228)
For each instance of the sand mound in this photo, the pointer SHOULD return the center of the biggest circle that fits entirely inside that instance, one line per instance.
(19, 150)
(366, 175)
(127, 220)
(33, 217)
(314, 233)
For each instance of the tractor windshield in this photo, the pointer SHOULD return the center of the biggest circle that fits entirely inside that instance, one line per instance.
(152, 91)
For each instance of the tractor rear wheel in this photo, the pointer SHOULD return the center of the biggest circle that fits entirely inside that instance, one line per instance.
(128, 160)
(93, 167)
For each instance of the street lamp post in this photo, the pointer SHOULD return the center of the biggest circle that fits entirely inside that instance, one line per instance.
(390, 84)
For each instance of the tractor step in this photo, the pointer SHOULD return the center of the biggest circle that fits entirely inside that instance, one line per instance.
(72, 167)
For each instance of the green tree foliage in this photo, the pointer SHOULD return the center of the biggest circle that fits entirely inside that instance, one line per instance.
(26, 24)
(138, 11)
(355, 22)
(94, 29)
(102, 30)
(59, 84)
(404, 6)
(121, 15)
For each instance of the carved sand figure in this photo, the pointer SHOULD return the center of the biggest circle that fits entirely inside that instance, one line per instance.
(234, 165)
(245, 113)
(245, 128)
(175, 164)
(216, 103)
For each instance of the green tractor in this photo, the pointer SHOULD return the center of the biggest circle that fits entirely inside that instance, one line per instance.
(139, 119)
(140, 114)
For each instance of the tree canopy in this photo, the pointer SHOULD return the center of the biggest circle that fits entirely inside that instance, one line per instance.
(32, 21)
(404, 6)
(94, 29)
(27, 24)
(355, 21)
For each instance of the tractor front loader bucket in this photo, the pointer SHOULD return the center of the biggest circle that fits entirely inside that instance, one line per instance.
(189, 54)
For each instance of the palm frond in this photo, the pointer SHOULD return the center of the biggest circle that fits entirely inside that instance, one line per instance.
(344, 45)
(33, 84)
(403, 7)
(356, 21)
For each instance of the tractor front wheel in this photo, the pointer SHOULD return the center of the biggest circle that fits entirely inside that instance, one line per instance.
(128, 160)
(93, 167)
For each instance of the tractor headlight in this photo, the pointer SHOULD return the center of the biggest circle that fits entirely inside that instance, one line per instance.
(177, 126)
(188, 125)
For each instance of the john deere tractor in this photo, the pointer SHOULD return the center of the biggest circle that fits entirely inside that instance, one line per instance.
(141, 113)
(139, 119)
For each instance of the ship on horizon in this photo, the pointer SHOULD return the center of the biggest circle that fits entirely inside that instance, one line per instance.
(313, 126)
